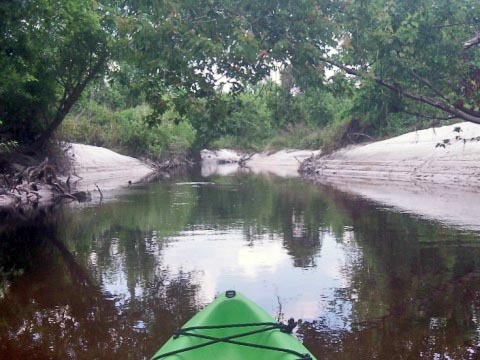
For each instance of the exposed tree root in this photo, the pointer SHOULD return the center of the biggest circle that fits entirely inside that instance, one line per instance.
(24, 186)
(170, 164)
(243, 160)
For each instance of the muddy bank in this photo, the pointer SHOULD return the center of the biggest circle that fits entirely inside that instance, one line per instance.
(284, 163)
(449, 155)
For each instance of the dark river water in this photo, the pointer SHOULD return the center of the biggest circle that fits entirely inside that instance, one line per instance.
(113, 281)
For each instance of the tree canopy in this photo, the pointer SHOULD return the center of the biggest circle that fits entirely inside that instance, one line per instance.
(419, 50)
(426, 53)
(423, 51)
(49, 52)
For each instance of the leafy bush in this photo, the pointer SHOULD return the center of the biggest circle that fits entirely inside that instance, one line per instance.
(7, 146)
(319, 107)
(171, 136)
(129, 131)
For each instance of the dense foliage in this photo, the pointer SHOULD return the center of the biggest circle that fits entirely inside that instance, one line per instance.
(49, 52)
(128, 130)
(351, 70)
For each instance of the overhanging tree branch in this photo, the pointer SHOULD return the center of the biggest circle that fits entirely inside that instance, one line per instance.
(439, 104)
(428, 84)
(430, 117)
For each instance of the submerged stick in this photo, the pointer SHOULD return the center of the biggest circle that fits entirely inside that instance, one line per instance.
(100, 191)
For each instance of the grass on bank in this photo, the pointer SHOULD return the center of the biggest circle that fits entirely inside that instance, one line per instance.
(129, 131)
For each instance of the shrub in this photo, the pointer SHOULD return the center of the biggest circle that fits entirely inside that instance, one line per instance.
(130, 131)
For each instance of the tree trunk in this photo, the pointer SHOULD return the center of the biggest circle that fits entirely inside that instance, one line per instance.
(66, 105)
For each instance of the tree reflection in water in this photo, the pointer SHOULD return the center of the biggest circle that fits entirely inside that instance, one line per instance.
(415, 290)
(115, 281)
(54, 308)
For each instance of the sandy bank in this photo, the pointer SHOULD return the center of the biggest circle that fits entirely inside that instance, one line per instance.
(412, 157)
(411, 173)
(91, 166)
(106, 168)
(284, 163)
(450, 206)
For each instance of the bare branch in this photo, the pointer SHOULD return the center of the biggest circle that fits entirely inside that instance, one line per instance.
(428, 84)
(439, 104)
(68, 100)
(451, 25)
(472, 42)
(100, 191)
(364, 135)
(431, 117)
(243, 160)
(468, 111)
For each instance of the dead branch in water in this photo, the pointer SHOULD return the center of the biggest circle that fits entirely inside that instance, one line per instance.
(100, 191)
(243, 160)
(22, 186)
(169, 165)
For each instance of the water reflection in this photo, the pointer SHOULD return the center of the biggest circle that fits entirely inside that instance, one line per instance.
(115, 281)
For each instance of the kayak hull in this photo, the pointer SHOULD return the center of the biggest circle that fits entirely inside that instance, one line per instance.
(227, 309)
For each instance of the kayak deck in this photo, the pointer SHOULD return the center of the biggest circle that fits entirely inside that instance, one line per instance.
(233, 327)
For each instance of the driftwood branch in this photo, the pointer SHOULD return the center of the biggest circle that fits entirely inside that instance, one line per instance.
(100, 191)
(169, 165)
(68, 184)
(243, 160)
(472, 42)
(21, 188)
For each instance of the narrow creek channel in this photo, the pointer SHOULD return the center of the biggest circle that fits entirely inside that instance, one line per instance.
(113, 281)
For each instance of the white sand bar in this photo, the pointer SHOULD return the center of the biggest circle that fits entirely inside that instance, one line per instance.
(283, 163)
(410, 173)
(106, 168)
(412, 157)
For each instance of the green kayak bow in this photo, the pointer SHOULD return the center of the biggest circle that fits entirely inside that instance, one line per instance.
(233, 327)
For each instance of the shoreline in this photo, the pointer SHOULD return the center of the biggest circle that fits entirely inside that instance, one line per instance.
(447, 156)
(94, 172)
(283, 163)
(412, 173)
(409, 173)
(93, 165)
